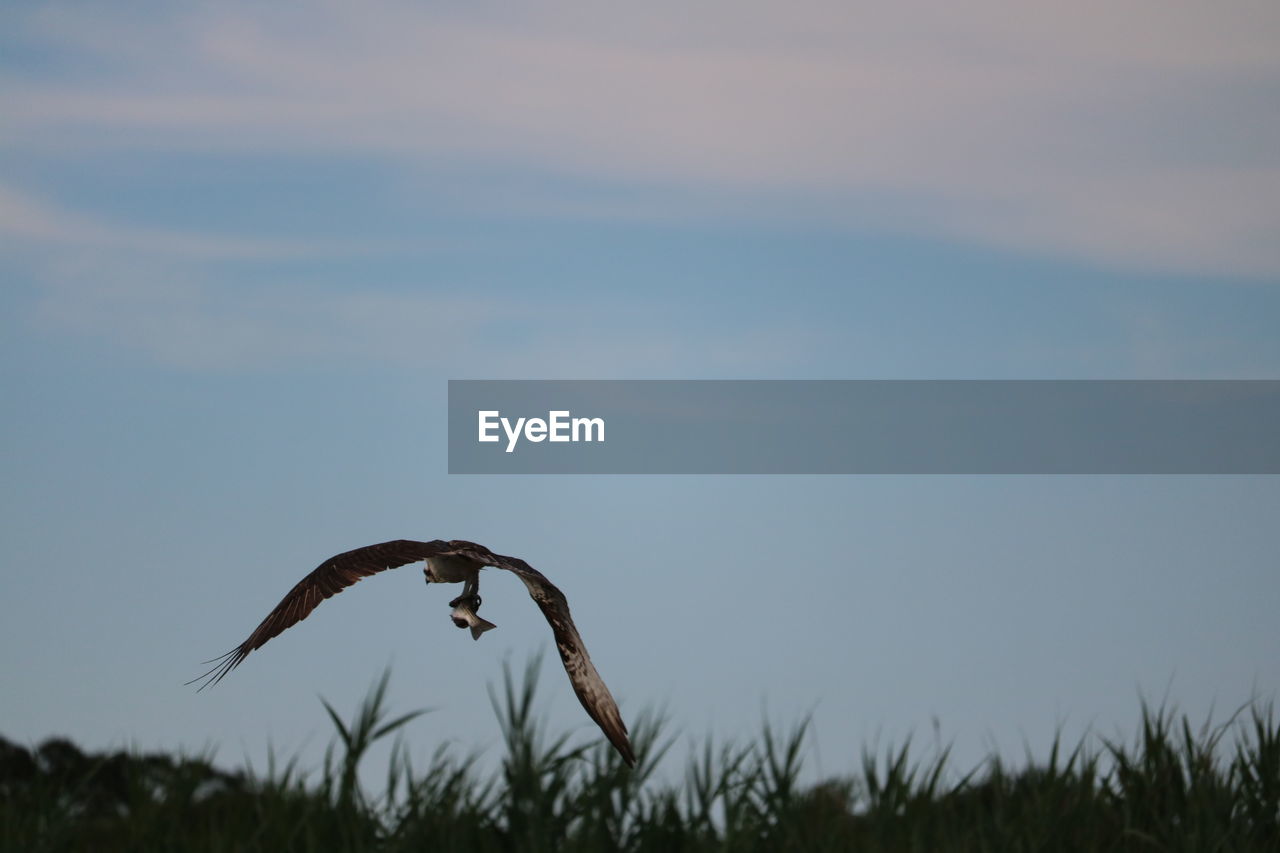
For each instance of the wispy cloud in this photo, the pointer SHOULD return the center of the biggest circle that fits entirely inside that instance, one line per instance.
(192, 320)
(35, 221)
(1136, 132)
(192, 323)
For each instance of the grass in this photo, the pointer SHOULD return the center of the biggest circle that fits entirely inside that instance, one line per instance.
(1173, 788)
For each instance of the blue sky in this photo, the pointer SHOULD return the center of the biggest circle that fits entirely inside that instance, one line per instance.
(243, 250)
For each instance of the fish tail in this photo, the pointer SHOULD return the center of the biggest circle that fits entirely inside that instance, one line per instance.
(479, 626)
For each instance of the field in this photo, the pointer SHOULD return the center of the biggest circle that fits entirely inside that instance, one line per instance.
(1175, 787)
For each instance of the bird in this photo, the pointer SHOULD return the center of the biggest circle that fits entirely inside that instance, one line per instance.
(452, 561)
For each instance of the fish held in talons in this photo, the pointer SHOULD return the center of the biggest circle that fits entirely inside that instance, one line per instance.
(464, 616)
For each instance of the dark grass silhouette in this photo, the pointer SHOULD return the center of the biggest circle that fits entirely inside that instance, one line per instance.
(1174, 788)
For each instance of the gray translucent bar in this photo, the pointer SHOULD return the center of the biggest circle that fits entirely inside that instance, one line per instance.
(867, 427)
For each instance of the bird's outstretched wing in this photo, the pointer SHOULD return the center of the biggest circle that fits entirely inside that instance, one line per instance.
(329, 578)
(587, 683)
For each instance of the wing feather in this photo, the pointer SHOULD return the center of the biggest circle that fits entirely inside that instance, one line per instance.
(587, 683)
(328, 579)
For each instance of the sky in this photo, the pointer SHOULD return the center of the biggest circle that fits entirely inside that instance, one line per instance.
(243, 250)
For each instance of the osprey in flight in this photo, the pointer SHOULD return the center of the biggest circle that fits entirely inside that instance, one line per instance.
(456, 561)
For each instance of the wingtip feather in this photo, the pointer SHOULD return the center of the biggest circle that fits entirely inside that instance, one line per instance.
(223, 664)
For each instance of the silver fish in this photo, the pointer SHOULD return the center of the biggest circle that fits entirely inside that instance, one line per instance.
(464, 616)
